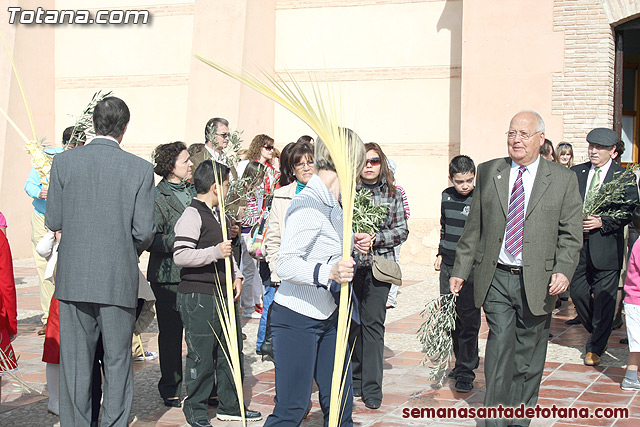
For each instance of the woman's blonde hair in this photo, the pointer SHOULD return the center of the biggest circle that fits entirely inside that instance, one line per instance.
(564, 148)
(322, 158)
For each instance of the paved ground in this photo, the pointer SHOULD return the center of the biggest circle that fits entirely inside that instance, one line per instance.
(567, 382)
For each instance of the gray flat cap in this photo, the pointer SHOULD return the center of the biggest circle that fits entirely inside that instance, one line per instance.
(603, 136)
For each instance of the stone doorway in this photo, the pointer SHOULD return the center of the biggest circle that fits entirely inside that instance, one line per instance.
(627, 99)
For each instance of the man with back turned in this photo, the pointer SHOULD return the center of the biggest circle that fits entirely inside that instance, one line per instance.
(101, 200)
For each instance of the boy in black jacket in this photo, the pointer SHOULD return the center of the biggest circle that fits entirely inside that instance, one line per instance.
(456, 201)
(200, 250)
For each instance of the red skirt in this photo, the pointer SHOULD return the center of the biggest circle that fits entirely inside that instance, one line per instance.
(8, 361)
(51, 353)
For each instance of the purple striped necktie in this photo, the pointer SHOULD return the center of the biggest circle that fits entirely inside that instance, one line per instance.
(515, 217)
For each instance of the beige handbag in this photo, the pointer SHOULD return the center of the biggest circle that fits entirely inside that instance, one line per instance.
(386, 270)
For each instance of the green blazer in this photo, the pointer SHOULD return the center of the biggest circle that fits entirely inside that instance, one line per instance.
(552, 230)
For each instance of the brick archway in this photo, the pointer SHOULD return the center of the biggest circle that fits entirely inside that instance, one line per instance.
(619, 11)
(583, 91)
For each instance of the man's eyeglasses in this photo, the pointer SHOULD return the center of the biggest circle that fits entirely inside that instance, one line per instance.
(268, 147)
(374, 161)
(301, 165)
(223, 135)
(523, 135)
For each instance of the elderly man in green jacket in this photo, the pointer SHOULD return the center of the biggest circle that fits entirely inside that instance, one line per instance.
(524, 232)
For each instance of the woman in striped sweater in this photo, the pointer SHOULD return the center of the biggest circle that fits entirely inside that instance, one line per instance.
(303, 314)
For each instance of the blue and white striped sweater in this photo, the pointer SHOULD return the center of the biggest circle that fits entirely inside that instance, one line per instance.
(311, 245)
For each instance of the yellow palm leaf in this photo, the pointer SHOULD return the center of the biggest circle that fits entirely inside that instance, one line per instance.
(227, 313)
(40, 161)
(24, 96)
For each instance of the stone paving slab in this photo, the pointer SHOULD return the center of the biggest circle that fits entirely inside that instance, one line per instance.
(566, 382)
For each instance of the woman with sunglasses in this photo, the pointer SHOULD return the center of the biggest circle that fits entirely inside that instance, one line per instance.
(368, 337)
(260, 150)
(564, 154)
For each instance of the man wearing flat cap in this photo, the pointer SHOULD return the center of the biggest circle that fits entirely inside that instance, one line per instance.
(595, 282)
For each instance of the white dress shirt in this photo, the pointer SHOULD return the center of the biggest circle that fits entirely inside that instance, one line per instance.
(528, 177)
(214, 154)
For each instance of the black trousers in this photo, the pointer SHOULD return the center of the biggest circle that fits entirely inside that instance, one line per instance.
(367, 338)
(206, 360)
(593, 292)
(465, 335)
(169, 339)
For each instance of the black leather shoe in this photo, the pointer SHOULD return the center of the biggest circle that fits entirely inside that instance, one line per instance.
(372, 403)
(573, 321)
(213, 402)
(357, 393)
(464, 386)
(172, 403)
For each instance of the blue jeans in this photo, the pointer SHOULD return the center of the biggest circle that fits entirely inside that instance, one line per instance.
(267, 299)
(269, 292)
(304, 349)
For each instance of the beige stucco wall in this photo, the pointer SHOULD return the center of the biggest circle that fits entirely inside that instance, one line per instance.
(397, 66)
(427, 79)
(509, 55)
(152, 67)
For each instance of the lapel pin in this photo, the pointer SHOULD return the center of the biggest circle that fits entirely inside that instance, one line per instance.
(499, 176)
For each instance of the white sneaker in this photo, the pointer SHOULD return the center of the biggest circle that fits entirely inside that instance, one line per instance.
(249, 415)
(252, 315)
(148, 355)
(630, 385)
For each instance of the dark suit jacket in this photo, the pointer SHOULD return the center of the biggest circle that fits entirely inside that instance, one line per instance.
(552, 230)
(606, 244)
(101, 197)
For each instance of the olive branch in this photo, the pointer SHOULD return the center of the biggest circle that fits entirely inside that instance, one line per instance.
(367, 216)
(435, 334)
(610, 199)
(83, 128)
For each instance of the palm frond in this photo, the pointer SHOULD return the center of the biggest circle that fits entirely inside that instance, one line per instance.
(40, 160)
(19, 80)
(227, 313)
(9, 367)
